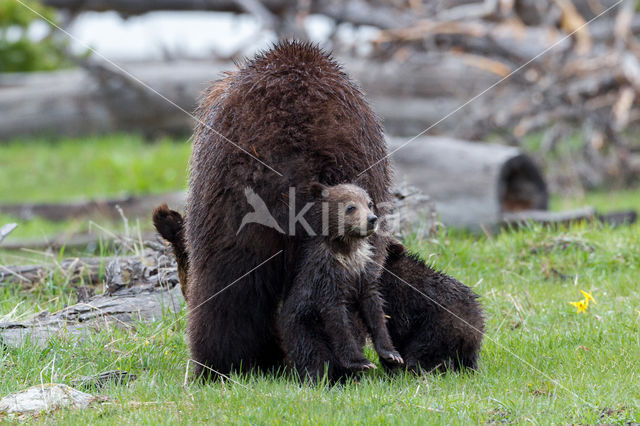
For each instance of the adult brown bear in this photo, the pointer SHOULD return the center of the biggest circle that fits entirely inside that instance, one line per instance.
(287, 118)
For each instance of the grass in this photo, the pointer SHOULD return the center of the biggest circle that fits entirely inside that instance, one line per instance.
(541, 362)
(41, 170)
(603, 201)
(107, 166)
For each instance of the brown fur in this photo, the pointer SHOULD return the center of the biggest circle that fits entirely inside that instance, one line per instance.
(434, 320)
(170, 226)
(322, 317)
(294, 109)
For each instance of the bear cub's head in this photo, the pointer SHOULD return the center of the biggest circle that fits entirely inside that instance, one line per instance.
(347, 211)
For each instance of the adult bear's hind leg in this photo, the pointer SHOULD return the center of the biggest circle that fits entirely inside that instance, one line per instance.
(232, 319)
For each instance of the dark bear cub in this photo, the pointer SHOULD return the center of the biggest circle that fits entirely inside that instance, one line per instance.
(435, 321)
(331, 301)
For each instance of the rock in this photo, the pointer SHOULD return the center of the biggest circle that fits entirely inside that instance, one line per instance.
(44, 398)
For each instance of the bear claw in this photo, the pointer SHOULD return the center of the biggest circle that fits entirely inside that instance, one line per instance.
(392, 357)
(361, 365)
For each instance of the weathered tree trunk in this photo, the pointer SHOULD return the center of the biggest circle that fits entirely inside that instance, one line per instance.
(89, 270)
(80, 102)
(471, 184)
(122, 309)
(102, 99)
(136, 7)
(89, 240)
(358, 12)
(137, 288)
(132, 206)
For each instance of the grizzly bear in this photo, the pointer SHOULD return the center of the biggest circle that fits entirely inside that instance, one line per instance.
(287, 118)
(434, 321)
(328, 302)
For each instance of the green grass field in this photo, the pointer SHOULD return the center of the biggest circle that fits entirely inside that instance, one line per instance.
(541, 361)
(106, 166)
(38, 170)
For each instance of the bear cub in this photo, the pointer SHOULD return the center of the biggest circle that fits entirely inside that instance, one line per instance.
(331, 302)
(435, 321)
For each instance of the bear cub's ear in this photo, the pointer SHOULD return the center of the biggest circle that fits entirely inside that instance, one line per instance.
(317, 190)
(395, 249)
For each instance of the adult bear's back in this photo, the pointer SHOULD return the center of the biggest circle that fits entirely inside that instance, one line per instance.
(293, 109)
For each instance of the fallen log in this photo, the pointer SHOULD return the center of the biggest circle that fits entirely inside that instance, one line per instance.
(136, 7)
(484, 186)
(132, 206)
(100, 99)
(584, 214)
(75, 270)
(90, 240)
(517, 219)
(471, 184)
(137, 288)
(357, 12)
(155, 266)
(96, 100)
(122, 309)
(508, 40)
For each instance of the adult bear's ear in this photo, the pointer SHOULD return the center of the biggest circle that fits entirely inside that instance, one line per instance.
(317, 190)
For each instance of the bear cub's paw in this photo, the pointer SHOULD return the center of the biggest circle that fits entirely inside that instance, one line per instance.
(360, 365)
(391, 356)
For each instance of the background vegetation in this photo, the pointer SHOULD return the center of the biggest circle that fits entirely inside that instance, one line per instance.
(21, 52)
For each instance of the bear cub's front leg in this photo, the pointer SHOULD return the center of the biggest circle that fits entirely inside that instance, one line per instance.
(371, 310)
(339, 327)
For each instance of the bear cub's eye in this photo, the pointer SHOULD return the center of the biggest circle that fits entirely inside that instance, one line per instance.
(370, 204)
(351, 208)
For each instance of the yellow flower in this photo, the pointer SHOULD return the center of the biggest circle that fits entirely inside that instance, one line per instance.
(582, 305)
(588, 296)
